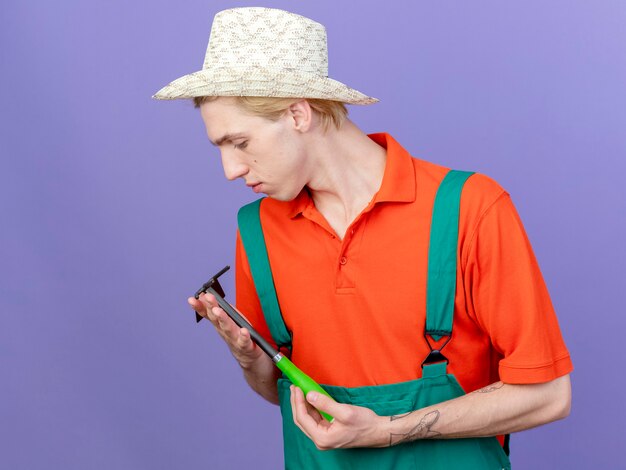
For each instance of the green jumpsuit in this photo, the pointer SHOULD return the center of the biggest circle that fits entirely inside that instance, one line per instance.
(435, 385)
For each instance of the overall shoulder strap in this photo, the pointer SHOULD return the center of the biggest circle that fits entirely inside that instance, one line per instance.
(251, 232)
(442, 255)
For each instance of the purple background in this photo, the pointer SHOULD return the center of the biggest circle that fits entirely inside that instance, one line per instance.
(114, 209)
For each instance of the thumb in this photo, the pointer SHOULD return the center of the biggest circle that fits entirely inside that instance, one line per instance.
(325, 403)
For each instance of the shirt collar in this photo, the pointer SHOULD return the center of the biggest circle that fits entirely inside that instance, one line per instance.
(300, 203)
(398, 183)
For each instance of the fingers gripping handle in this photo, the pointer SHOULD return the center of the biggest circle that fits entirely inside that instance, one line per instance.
(242, 323)
(301, 380)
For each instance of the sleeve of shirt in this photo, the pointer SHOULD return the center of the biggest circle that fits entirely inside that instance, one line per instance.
(247, 300)
(509, 298)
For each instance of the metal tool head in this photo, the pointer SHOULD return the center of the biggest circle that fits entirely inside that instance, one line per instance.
(211, 283)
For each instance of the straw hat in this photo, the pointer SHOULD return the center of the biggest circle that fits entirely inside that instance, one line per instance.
(264, 52)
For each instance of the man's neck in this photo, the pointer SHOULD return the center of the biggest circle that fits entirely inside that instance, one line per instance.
(346, 171)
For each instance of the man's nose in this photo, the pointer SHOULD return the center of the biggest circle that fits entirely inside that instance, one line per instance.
(233, 167)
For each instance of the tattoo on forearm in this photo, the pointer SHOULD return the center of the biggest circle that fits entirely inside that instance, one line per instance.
(489, 388)
(422, 430)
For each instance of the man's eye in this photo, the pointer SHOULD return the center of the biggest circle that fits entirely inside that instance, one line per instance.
(242, 145)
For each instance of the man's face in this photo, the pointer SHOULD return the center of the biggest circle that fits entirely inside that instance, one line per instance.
(268, 155)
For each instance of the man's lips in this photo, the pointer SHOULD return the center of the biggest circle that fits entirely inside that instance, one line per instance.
(256, 187)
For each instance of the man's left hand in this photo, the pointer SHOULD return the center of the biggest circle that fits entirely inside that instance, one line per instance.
(353, 426)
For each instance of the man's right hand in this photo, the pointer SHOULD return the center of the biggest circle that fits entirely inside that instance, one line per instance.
(245, 351)
(258, 369)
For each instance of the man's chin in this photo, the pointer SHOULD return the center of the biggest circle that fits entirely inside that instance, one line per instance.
(285, 196)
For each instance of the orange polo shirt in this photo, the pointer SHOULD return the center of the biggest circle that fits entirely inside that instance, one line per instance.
(356, 306)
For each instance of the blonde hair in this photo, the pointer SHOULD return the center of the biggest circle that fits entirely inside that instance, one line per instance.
(329, 111)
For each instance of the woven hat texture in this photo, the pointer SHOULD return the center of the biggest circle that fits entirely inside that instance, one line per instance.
(264, 52)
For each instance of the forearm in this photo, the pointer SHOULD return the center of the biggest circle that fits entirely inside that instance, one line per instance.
(496, 409)
(262, 376)
(493, 410)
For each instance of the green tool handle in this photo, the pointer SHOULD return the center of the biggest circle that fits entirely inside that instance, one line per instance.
(301, 380)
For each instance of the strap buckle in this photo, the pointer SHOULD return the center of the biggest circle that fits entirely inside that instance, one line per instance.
(435, 355)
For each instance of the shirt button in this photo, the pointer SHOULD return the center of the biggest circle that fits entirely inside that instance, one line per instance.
(343, 260)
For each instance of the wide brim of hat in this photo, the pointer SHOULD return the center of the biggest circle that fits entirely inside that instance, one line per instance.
(234, 81)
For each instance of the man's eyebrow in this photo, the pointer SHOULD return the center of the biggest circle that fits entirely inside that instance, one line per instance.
(226, 137)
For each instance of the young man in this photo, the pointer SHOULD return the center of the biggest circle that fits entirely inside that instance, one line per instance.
(374, 257)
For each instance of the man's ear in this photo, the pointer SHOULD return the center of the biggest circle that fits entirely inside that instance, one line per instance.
(301, 114)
